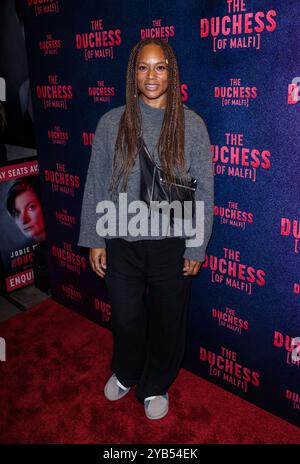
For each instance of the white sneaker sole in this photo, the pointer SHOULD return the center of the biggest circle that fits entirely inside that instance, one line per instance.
(158, 417)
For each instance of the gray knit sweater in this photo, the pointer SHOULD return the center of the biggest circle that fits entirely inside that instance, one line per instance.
(198, 161)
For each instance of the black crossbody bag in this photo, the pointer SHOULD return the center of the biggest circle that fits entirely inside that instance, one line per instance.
(154, 186)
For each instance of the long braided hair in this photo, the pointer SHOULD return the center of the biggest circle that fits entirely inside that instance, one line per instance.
(171, 140)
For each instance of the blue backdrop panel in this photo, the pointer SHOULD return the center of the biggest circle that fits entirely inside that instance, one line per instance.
(239, 65)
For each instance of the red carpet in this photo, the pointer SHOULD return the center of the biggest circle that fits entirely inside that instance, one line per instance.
(51, 391)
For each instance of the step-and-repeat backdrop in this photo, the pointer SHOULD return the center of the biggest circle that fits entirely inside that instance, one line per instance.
(240, 68)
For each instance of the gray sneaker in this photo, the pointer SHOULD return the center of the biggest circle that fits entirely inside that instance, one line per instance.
(156, 407)
(113, 391)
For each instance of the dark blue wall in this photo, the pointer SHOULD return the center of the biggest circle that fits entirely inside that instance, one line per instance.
(244, 311)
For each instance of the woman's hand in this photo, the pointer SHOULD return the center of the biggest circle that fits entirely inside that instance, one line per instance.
(97, 258)
(191, 267)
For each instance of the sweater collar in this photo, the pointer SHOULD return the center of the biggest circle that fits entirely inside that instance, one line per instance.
(149, 110)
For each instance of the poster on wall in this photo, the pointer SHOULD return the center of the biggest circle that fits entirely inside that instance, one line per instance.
(17, 132)
(21, 223)
(238, 64)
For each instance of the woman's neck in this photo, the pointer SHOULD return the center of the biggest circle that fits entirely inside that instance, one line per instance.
(157, 104)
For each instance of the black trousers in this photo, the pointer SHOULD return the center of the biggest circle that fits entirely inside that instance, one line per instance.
(149, 297)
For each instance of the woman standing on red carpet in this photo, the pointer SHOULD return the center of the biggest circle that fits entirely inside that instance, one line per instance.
(148, 275)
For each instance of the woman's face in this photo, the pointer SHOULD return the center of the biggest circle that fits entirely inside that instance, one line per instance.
(152, 76)
(29, 215)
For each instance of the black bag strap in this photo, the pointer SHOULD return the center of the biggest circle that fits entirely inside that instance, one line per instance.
(145, 152)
